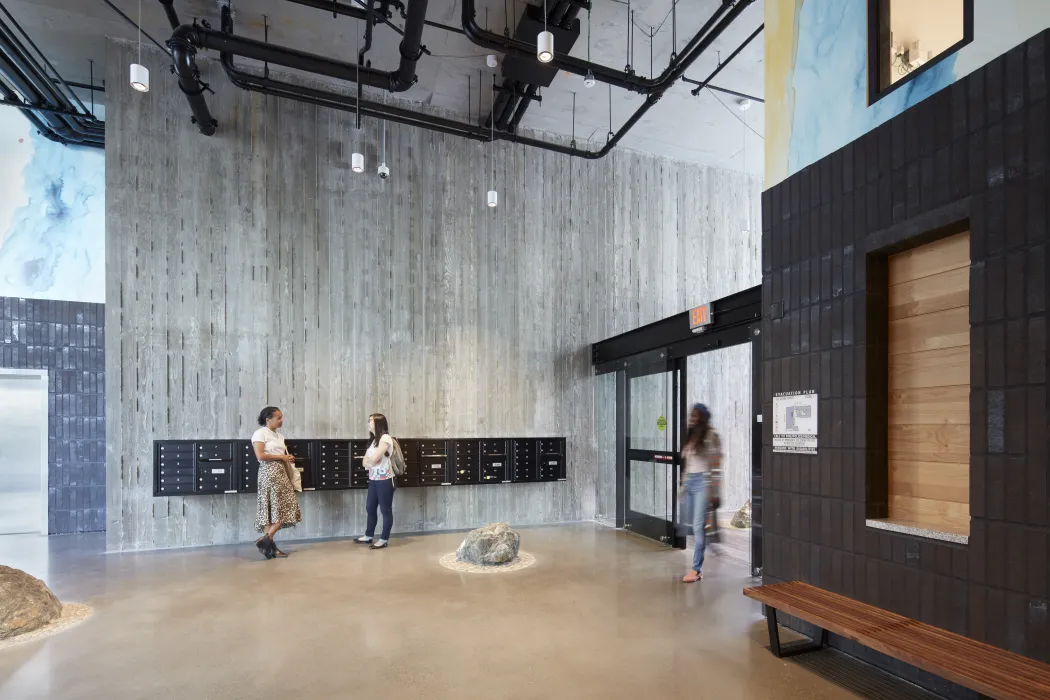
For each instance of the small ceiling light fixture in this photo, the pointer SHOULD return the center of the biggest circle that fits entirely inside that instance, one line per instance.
(493, 197)
(743, 104)
(588, 81)
(545, 41)
(491, 61)
(139, 72)
(357, 162)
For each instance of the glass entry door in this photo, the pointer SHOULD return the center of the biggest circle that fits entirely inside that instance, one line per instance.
(652, 423)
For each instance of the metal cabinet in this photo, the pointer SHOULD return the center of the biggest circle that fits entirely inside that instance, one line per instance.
(523, 459)
(332, 469)
(188, 467)
(174, 468)
(410, 451)
(216, 470)
(247, 466)
(551, 460)
(433, 463)
(495, 459)
(305, 461)
(466, 464)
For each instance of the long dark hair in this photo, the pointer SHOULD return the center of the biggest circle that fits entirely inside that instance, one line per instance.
(381, 428)
(267, 413)
(698, 433)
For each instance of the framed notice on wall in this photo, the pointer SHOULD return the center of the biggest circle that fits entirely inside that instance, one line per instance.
(795, 422)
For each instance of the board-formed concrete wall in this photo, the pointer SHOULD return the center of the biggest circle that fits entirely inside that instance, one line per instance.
(255, 268)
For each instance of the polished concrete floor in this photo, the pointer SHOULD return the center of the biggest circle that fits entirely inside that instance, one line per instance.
(600, 615)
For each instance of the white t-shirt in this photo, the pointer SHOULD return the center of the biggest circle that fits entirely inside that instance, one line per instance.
(273, 442)
(381, 469)
(699, 461)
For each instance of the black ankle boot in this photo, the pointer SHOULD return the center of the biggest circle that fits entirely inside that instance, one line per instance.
(265, 546)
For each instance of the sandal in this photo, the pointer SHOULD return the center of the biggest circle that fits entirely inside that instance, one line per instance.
(693, 577)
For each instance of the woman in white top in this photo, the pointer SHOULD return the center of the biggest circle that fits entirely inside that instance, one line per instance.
(702, 453)
(277, 506)
(380, 481)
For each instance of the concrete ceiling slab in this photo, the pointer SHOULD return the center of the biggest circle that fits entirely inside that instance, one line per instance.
(708, 128)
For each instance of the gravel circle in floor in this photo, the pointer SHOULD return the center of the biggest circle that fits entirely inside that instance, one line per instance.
(522, 561)
(72, 614)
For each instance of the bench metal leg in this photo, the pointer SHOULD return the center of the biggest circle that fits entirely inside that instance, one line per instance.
(793, 649)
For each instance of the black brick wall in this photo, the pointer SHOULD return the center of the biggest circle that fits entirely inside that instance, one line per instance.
(972, 156)
(66, 339)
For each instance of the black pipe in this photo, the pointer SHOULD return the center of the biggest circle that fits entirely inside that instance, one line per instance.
(183, 54)
(399, 81)
(343, 102)
(39, 89)
(334, 7)
(612, 76)
(59, 122)
(47, 63)
(727, 91)
(725, 63)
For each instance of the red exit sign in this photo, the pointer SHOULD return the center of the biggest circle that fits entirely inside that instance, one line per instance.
(700, 318)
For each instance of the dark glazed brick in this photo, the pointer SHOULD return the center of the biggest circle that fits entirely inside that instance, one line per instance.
(995, 488)
(1036, 59)
(1037, 139)
(996, 418)
(995, 175)
(995, 344)
(1016, 352)
(1036, 280)
(1037, 350)
(1016, 419)
(1015, 210)
(994, 85)
(1015, 79)
(978, 161)
(1014, 146)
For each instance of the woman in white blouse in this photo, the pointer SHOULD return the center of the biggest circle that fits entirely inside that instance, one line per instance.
(277, 507)
(380, 481)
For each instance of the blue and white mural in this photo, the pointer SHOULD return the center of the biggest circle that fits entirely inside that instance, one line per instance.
(52, 216)
(816, 73)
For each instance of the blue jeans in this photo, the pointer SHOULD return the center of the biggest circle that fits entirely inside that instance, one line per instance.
(694, 509)
(380, 496)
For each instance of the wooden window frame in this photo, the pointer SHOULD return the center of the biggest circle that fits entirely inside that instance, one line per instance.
(878, 38)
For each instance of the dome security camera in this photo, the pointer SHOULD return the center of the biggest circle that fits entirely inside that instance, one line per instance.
(384, 172)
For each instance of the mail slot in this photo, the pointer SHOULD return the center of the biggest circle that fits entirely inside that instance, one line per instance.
(494, 447)
(551, 467)
(215, 451)
(328, 482)
(247, 478)
(552, 446)
(433, 448)
(175, 489)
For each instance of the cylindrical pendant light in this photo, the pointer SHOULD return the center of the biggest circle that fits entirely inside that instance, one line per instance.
(357, 162)
(545, 41)
(493, 199)
(139, 72)
(139, 77)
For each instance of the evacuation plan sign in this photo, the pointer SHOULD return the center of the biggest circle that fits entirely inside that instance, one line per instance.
(795, 422)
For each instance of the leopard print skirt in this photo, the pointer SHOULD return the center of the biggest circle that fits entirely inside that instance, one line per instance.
(277, 502)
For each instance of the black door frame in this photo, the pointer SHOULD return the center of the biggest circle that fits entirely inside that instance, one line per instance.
(651, 526)
(736, 320)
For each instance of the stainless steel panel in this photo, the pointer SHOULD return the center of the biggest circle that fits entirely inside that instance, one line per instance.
(23, 452)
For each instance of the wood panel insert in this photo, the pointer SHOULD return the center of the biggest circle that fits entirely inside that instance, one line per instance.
(929, 386)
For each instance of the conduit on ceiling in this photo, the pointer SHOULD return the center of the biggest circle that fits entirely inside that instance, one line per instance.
(187, 39)
(31, 84)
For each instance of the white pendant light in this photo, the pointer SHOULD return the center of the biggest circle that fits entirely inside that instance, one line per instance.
(545, 46)
(545, 40)
(139, 77)
(357, 162)
(493, 197)
(139, 72)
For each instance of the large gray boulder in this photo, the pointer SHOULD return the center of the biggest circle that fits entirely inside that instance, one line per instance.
(490, 545)
(26, 604)
(742, 519)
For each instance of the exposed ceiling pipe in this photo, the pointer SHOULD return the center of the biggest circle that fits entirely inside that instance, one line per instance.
(342, 102)
(704, 83)
(183, 54)
(24, 80)
(613, 76)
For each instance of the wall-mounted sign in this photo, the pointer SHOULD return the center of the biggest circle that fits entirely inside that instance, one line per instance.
(700, 318)
(795, 422)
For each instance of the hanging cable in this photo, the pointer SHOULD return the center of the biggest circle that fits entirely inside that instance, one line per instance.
(674, 30)
(627, 68)
(610, 135)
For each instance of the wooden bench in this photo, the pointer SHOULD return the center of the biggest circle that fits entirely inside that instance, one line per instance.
(991, 671)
